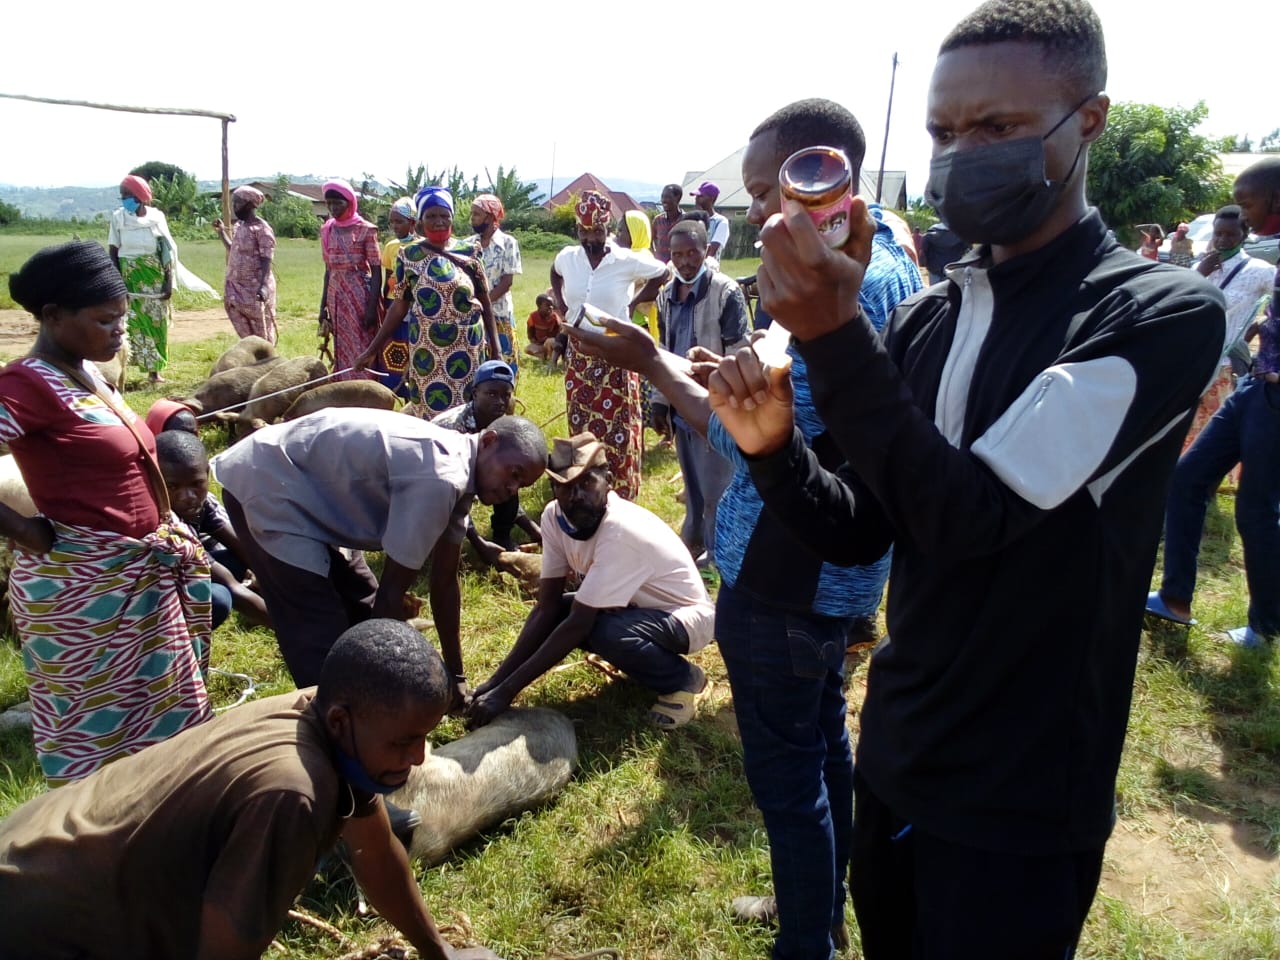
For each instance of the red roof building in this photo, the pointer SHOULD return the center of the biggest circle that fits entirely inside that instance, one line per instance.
(622, 202)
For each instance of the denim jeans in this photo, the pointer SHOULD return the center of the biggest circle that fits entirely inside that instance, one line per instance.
(647, 645)
(220, 603)
(1245, 430)
(706, 475)
(786, 672)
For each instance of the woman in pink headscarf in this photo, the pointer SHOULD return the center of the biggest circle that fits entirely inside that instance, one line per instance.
(603, 399)
(351, 304)
(250, 291)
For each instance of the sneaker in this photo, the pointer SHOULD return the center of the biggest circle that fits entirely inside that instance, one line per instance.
(1245, 637)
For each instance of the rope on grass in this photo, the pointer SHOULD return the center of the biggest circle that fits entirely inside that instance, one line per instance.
(326, 928)
(248, 690)
(551, 419)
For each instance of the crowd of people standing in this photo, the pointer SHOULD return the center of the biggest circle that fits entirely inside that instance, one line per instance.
(1002, 428)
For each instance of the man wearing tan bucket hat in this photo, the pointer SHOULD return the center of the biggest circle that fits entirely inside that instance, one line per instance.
(641, 605)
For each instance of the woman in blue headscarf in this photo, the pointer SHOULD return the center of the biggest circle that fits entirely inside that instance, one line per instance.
(444, 295)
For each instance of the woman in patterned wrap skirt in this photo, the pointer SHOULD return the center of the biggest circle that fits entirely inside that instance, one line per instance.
(110, 594)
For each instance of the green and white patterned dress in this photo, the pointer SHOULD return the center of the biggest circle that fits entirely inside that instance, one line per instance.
(145, 248)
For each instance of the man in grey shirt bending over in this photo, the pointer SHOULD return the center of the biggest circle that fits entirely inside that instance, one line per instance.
(306, 496)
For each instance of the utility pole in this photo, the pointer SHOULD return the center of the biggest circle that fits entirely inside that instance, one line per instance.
(885, 149)
(551, 191)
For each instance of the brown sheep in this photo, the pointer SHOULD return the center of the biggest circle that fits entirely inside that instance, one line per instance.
(228, 388)
(247, 352)
(346, 393)
(263, 408)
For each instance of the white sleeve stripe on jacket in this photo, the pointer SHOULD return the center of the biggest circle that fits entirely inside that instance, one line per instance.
(1054, 437)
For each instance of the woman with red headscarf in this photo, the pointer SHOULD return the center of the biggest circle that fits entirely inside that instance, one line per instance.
(604, 399)
(349, 306)
(249, 293)
(143, 250)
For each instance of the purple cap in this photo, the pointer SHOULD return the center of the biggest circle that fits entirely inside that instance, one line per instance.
(707, 189)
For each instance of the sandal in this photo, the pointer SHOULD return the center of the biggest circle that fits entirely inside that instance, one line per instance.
(1158, 608)
(672, 710)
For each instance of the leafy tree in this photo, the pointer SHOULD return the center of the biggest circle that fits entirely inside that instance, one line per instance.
(9, 214)
(414, 180)
(1235, 144)
(1271, 142)
(516, 196)
(289, 215)
(154, 170)
(919, 215)
(176, 192)
(1150, 166)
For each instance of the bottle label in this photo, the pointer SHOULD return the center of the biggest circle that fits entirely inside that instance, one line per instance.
(832, 220)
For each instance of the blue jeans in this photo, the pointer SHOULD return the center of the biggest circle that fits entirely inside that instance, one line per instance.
(1245, 430)
(786, 672)
(647, 645)
(220, 604)
(706, 475)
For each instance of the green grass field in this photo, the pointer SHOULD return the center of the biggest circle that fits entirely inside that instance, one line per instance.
(647, 845)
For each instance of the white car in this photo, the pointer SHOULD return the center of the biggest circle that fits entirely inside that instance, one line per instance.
(1200, 230)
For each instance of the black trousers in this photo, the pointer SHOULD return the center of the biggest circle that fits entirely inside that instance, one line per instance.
(919, 897)
(309, 611)
(504, 517)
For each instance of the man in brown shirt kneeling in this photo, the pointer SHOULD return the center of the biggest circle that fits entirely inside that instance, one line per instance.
(196, 847)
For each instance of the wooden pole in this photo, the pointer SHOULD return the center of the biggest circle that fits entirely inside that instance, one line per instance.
(174, 111)
(226, 179)
(226, 119)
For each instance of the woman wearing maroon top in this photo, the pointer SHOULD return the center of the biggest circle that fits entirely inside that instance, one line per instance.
(111, 602)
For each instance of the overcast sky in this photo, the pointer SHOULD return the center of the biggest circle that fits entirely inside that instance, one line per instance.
(645, 91)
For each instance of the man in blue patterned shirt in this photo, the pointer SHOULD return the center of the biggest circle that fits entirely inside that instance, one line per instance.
(782, 615)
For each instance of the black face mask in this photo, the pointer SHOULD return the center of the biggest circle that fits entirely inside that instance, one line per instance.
(998, 193)
(593, 249)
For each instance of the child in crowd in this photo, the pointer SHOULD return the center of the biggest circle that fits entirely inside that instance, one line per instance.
(544, 331)
(184, 464)
(492, 396)
(171, 415)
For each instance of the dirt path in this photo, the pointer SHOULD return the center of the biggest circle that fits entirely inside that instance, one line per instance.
(18, 329)
(1186, 867)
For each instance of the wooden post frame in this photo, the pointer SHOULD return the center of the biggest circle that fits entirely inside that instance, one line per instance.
(226, 119)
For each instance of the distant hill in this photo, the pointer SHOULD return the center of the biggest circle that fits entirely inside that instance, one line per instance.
(61, 203)
(85, 203)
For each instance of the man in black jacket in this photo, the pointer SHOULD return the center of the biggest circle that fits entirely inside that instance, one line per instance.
(1013, 436)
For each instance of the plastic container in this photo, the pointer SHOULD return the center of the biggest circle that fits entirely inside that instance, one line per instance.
(821, 180)
(593, 317)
